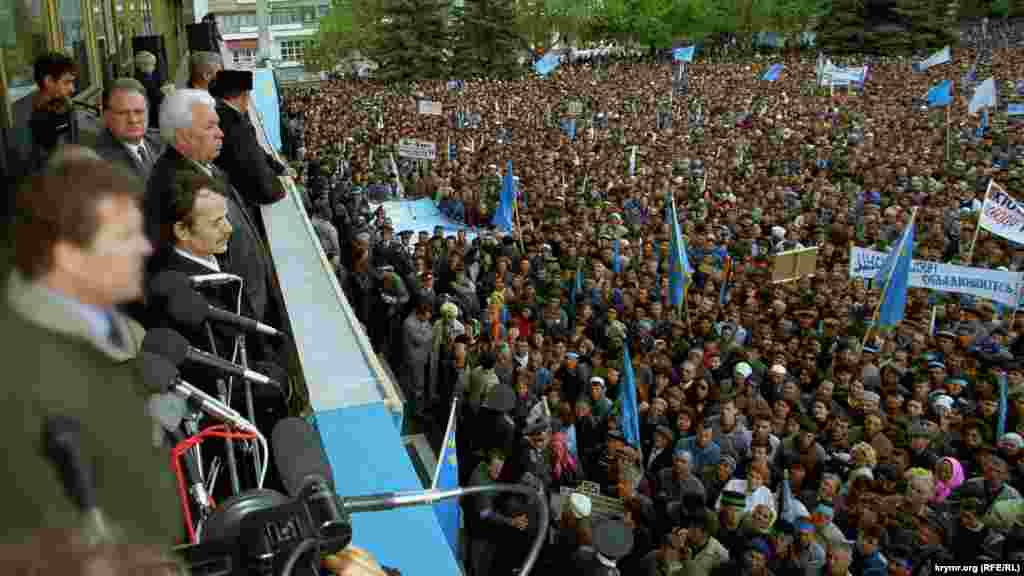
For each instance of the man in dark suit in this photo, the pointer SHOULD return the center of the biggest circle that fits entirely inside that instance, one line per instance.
(249, 168)
(189, 123)
(124, 138)
(72, 354)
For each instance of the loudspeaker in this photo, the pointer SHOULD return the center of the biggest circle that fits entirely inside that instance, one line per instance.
(155, 46)
(202, 37)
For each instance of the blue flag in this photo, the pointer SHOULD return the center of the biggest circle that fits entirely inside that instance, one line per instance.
(569, 127)
(773, 73)
(503, 215)
(629, 415)
(616, 260)
(941, 95)
(894, 277)
(446, 477)
(980, 133)
(547, 64)
(679, 269)
(683, 54)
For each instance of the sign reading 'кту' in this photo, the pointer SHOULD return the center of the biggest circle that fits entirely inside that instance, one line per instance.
(417, 149)
(1001, 214)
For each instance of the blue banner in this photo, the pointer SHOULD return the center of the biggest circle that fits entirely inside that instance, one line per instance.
(547, 64)
(265, 98)
(683, 54)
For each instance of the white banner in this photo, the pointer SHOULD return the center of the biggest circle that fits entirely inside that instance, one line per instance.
(417, 149)
(994, 285)
(429, 107)
(1001, 214)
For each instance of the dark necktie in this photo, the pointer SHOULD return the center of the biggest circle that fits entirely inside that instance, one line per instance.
(114, 335)
(143, 154)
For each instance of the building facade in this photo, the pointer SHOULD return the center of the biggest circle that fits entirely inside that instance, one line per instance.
(291, 25)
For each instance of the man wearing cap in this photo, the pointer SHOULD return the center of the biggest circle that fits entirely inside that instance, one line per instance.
(613, 540)
(599, 402)
(659, 453)
(921, 455)
(252, 171)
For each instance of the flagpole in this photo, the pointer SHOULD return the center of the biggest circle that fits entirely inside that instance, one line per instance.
(888, 281)
(447, 432)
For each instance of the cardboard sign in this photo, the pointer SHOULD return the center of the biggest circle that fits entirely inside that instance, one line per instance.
(430, 108)
(794, 264)
(417, 149)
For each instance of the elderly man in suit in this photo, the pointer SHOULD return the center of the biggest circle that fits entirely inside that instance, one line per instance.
(124, 138)
(76, 257)
(190, 126)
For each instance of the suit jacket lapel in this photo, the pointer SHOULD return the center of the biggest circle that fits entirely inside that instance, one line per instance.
(34, 304)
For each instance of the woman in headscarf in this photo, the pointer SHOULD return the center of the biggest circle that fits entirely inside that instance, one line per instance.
(565, 469)
(949, 474)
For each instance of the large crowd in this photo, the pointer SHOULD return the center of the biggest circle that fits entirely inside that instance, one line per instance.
(779, 432)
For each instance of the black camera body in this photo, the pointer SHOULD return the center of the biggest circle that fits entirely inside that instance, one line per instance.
(256, 532)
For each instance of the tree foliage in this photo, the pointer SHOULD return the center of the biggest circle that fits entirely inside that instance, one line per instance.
(349, 26)
(414, 40)
(486, 41)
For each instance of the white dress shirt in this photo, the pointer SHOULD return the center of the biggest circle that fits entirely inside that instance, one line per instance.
(208, 263)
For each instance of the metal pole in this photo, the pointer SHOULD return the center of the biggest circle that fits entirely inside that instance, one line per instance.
(250, 409)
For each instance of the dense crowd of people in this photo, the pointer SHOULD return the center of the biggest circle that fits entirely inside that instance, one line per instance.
(779, 432)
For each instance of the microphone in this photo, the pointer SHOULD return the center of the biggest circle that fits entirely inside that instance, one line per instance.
(299, 456)
(62, 438)
(188, 307)
(215, 279)
(175, 348)
(160, 376)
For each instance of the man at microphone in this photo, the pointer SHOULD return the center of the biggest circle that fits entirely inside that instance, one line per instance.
(67, 352)
(196, 232)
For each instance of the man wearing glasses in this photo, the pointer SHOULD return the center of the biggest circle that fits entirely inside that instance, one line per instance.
(124, 139)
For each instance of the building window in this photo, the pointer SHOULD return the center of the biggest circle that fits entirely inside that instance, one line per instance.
(72, 31)
(244, 57)
(323, 10)
(280, 17)
(293, 50)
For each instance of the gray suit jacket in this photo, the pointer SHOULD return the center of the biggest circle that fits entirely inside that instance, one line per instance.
(113, 151)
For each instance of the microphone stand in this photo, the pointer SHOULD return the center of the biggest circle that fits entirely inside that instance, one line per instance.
(236, 487)
(243, 360)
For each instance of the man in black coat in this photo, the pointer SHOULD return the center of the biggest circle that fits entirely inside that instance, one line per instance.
(189, 122)
(249, 168)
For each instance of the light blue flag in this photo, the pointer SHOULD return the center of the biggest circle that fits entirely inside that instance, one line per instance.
(616, 260)
(984, 96)
(980, 133)
(894, 277)
(940, 57)
(941, 95)
(503, 215)
(629, 415)
(267, 101)
(569, 128)
(773, 73)
(679, 269)
(1015, 109)
(446, 477)
(547, 64)
(683, 54)
(1001, 418)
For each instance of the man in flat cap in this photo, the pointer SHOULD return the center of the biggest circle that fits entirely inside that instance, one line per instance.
(252, 171)
(613, 540)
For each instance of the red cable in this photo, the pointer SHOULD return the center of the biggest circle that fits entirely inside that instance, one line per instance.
(218, 431)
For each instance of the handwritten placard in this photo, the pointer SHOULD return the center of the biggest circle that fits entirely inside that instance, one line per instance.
(429, 108)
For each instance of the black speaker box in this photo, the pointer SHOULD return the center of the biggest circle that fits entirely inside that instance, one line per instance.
(202, 37)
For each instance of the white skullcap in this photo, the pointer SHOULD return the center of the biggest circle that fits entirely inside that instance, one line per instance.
(871, 396)
(580, 505)
(778, 232)
(943, 400)
(597, 380)
(744, 369)
(778, 369)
